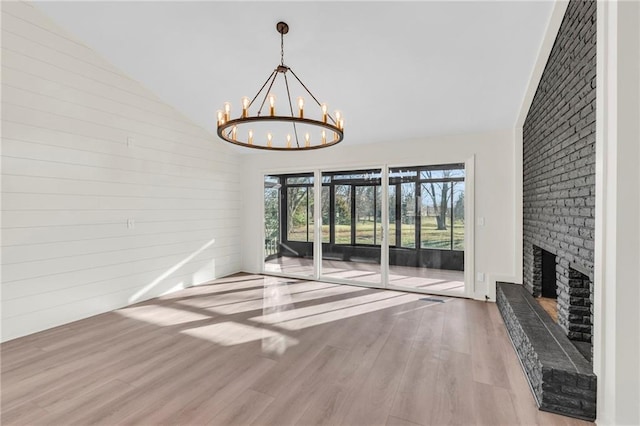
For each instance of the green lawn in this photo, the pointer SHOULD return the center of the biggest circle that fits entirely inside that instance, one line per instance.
(431, 236)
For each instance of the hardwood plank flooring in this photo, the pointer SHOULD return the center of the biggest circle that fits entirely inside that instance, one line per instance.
(254, 350)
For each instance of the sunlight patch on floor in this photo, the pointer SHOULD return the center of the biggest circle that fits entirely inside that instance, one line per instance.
(341, 314)
(161, 315)
(231, 333)
(262, 298)
(333, 311)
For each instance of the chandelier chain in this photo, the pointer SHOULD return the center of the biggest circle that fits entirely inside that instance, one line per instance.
(282, 49)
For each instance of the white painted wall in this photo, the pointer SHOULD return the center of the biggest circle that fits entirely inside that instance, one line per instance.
(494, 192)
(617, 242)
(70, 183)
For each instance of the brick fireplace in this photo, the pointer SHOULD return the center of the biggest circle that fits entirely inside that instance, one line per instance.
(558, 226)
(559, 172)
(571, 286)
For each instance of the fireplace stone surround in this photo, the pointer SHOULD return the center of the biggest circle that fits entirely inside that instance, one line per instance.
(559, 172)
(558, 154)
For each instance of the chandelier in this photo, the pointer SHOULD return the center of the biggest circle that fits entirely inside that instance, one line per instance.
(296, 131)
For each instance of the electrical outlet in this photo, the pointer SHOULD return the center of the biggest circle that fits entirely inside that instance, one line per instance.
(480, 277)
(481, 221)
(131, 223)
(130, 141)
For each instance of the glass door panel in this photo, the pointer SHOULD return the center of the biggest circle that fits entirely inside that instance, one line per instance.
(365, 215)
(428, 220)
(351, 240)
(435, 216)
(271, 217)
(289, 224)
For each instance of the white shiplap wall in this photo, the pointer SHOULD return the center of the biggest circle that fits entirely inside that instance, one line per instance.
(71, 181)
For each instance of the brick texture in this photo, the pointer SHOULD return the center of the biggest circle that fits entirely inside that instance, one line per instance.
(559, 168)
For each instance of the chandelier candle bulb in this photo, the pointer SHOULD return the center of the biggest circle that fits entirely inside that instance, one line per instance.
(324, 112)
(234, 130)
(301, 106)
(272, 105)
(324, 137)
(288, 141)
(338, 116)
(227, 111)
(269, 139)
(250, 137)
(220, 118)
(341, 124)
(307, 142)
(245, 107)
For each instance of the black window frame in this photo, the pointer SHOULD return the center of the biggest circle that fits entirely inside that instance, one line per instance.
(373, 178)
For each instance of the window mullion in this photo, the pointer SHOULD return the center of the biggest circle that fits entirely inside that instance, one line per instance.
(417, 220)
(353, 215)
(451, 215)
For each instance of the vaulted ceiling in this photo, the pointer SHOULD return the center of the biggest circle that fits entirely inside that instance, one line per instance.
(397, 70)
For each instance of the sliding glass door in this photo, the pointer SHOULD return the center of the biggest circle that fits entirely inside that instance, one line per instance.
(289, 225)
(426, 248)
(399, 228)
(352, 228)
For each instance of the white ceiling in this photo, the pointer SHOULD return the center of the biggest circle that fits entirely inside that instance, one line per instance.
(397, 70)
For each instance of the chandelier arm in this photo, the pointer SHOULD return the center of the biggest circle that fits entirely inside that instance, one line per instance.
(295, 129)
(259, 91)
(311, 94)
(266, 94)
(305, 87)
(295, 132)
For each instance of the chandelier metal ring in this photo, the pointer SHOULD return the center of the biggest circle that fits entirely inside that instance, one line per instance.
(238, 132)
(228, 126)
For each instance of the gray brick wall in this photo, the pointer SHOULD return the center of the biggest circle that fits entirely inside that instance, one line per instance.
(559, 164)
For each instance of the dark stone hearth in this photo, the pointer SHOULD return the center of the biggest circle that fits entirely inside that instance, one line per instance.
(560, 377)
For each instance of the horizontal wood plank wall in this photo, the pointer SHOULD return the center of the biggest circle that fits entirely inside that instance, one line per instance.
(71, 182)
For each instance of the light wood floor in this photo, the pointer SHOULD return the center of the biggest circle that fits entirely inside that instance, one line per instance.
(550, 306)
(405, 277)
(257, 350)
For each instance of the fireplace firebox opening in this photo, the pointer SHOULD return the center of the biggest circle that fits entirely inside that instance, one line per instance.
(549, 275)
(545, 281)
